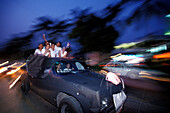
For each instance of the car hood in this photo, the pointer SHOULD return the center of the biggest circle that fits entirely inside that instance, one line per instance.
(91, 80)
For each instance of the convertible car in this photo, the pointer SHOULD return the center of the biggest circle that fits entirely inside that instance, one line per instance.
(72, 86)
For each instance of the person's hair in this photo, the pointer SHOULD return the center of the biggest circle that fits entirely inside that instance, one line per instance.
(39, 45)
(60, 44)
(68, 49)
(48, 44)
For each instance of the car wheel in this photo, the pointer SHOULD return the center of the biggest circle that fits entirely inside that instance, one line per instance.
(25, 86)
(70, 105)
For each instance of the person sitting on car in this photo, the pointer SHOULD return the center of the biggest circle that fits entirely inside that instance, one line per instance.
(46, 51)
(52, 51)
(39, 51)
(46, 42)
(58, 48)
(63, 53)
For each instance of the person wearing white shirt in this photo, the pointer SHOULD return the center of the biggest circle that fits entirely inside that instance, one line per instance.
(63, 53)
(53, 51)
(39, 51)
(57, 48)
(46, 51)
(67, 69)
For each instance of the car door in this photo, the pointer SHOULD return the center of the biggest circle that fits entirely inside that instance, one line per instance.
(46, 84)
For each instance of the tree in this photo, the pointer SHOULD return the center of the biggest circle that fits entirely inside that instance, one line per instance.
(94, 34)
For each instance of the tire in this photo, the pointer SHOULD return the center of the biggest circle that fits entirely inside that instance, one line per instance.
(70, 105)
(25, 86)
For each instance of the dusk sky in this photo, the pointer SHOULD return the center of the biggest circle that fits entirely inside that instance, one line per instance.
(19, 15)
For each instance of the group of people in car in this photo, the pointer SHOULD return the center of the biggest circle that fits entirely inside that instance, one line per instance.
(52, 50)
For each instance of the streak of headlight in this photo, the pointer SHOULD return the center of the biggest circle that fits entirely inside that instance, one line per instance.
(15, 70)
(163, 55)
(16, 80)
(6, 68)
(144, 73)
(157, 78)
(3, 69)
(116, 55)
(4, 63)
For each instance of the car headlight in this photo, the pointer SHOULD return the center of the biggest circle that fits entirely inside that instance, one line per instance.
(104, 103)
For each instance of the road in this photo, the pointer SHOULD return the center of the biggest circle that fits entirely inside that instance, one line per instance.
(144, 96)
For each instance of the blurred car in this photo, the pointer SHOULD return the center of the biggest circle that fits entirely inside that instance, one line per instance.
(133, 70)
(73, 88)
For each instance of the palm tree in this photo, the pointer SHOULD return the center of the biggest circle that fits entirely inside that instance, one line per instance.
(44, 24)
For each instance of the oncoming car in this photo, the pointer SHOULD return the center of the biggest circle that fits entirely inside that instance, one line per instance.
(72, 87)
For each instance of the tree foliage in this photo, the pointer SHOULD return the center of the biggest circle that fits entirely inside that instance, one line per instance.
(94, 33)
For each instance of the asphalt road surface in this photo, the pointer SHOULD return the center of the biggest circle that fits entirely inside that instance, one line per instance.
(144, 96)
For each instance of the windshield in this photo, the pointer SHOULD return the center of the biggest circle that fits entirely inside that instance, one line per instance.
(69, 66)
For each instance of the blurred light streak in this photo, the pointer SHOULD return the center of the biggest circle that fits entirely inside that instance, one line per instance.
(13, 71)
(3, 69)
(16, 80)
(127, 57)
(18, 68)
(167, 33)
(144, 73)
(163, 55)
(125, 45)
(135, 61)
(4, 63)
(6, 68)
(107, 65)
(157, 78)
(116, 55)
(168, 16)
(157, 49)
(140, 64)
(165, 64)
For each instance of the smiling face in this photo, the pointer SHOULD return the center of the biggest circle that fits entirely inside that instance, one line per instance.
(47, 46)
(40, 46)
(58, 44)
(52, 46)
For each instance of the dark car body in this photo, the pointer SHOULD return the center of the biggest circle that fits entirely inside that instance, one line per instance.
(89, 89)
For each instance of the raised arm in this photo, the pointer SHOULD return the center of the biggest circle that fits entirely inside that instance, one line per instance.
(44, 38)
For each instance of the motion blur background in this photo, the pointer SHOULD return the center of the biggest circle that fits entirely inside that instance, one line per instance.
(128, 37)
(90, 26)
